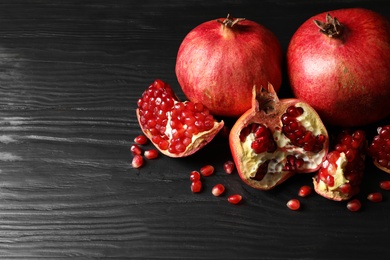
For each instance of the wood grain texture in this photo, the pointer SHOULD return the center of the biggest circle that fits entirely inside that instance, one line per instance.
(70, 76)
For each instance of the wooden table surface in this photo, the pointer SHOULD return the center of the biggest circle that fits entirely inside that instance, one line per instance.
(70, 76)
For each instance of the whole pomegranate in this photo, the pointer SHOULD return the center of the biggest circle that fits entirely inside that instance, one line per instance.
(339, 63)
(276, 139)
(176, 128)
(219, 61)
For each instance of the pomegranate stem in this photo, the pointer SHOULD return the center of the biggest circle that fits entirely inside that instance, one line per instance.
(230, 22)
(332, 27)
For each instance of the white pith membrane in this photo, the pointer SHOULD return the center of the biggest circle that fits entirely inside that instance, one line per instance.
(277, 159)
(339, 178)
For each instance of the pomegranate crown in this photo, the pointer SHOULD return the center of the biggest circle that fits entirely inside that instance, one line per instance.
(230, 22)
(332, 27)
(264, 98)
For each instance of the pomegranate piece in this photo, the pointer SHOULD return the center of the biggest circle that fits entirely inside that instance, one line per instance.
(304, 191)
(379, 149)
(177, 129)
(293, 204)
(137, 161)
(276, 139)
(228, 167)
(207, 170)
(375, 197)
(196, 186)
(340, 175)
(234, 199)
(354, 205)
(218, 189)
(151, 154)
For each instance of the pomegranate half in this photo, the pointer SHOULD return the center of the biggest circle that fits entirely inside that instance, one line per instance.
(219, 61)
(339, 63)
(276, 139)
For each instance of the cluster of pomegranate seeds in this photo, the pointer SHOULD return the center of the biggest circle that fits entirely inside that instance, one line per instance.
(137, 151)
(293, 163)
(298, 134)
(159, 110)
(379, 149)
(263, 142)
(293, 204)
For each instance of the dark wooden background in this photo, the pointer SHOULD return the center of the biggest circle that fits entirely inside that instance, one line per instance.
(70, 76)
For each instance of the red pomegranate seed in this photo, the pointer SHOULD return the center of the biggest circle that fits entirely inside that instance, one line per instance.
(196, 186)
(151, 154)
(137, 161)
(135, 149)
(304, 191)
(141, 139)
(207, 170)
(293, 204)
(218, 189)
(375, 197)
(354, 205)
(384, 185)
(234, 199)
(194, 176)
(228, 167)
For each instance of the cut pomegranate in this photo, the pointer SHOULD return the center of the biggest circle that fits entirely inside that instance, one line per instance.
(379, 149)
(141, 139)
(228, 167)
(207, 170)
(235, 199)
(196, 186)
(354, 205)
(293, 204)
(151, 154)
(384, 185)
(276, 139)
(176, 128)
(137, 161)
(218, 189)
(304, 191)
(341, 173)
(375, 197)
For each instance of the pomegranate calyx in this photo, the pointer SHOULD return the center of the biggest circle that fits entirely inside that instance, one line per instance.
(230, 22)
(264, 99)
(331, 28)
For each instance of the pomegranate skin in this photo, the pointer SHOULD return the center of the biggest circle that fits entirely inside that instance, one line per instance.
(218, 65)
(346, 78)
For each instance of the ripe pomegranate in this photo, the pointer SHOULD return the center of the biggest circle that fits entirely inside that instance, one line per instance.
(277, 138)
(341, 173)
(176, 128)
(379, 149)
(219, 61)
(341, 66)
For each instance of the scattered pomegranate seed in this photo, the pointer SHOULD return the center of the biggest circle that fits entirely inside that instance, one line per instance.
(137, 161)
(375, 197)
(304, 191)
(196, 186)
(228, 167)
(194, 176)
(354, 205)
(218, 189)
(151, 154)
(385, 185)
(135, 149)
(293, 204)
(140, 139)
(235, 199)
(207, 170)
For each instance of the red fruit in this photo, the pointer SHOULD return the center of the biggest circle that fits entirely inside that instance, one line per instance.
(218, 189)
(293, 204)
(140, 139)
(176, 128)
(207, 170)
(343, 68)
(379, 149)
(234, 199)
(151, 154)
(276, 139)
(228, 167)
(340, 175)
(196, 186)
(137, 161)
(354, 205)
(304, 191)
(219, 61)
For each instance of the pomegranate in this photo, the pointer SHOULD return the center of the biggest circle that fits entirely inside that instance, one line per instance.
(277, 138)
(176, 128)
(341, 66)
(379, 149)
(219, 61)
(340, 175)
